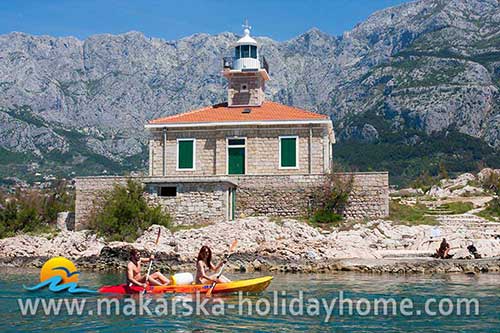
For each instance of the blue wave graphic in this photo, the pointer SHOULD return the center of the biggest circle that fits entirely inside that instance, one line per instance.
(55, 286)
(68, 273)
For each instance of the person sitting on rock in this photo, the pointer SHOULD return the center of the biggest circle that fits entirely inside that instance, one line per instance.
(473, 250)
(134, 276)
(443, 251)
(204, 264)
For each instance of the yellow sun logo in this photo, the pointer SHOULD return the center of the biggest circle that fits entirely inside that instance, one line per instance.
(59, 266)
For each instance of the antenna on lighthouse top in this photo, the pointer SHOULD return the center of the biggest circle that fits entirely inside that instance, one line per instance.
(246, 28)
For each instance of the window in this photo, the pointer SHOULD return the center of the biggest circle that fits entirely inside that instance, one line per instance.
(253, 51)
(186, 152)
(167, 191)
(245, 51)
(288, 151)
(244, 87)
(235, 142)
(237, 52)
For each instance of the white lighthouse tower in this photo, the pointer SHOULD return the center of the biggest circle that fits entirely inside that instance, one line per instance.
(247, 72)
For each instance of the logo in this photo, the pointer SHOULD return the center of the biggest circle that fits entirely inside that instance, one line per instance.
(59, 274)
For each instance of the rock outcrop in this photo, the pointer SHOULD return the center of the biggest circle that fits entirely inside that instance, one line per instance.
(264, 244)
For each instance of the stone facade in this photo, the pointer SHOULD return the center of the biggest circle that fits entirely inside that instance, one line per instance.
(207, 200)
(195, 201)
(262, 150)
(245, 89)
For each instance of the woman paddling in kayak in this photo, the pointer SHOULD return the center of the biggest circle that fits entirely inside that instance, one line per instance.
(134, 276)
(204, 264)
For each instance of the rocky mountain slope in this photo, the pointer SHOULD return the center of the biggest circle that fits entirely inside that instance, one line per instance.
(410, 86)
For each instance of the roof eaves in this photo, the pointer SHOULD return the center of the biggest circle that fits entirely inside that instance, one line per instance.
(240, 123)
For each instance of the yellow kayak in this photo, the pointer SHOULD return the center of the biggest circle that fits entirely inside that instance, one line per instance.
(250, 285)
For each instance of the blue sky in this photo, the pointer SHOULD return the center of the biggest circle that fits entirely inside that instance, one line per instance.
(166, 19)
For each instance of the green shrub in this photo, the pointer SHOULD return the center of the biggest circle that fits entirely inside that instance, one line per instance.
(124, 214)
(33, 211)
(323, 216)
(424, 181)
(331, 199)
(443, 172)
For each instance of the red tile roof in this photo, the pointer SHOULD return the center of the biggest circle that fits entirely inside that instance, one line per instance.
(268, 111)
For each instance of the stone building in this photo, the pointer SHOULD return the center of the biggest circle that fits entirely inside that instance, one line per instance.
(247, 156)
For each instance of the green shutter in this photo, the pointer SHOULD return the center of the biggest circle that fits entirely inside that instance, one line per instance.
(288, 152)
(186, 154)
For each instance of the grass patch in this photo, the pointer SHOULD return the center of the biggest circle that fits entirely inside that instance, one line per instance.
(492, 211)
(458, 207)
(410, 215)
(175, 228)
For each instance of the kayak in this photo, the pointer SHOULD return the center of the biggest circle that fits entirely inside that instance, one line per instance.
(250, 285)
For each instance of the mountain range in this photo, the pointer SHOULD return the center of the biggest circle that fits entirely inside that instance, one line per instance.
(410, 88)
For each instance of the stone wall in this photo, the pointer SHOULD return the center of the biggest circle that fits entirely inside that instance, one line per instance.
(88, 192)
(205, 200)
(262, 150)
(370, 195)
(254, 94)
(196, 202)
(293, 195)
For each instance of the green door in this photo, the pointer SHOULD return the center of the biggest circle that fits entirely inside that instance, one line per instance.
(236, 161)
(233, 203)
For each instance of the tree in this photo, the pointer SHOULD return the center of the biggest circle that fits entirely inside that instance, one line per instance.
(443, 173)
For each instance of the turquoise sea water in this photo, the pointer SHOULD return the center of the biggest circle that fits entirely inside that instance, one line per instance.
(485, 288)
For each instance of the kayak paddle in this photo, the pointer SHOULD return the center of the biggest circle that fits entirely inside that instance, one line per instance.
(231, 250)
(151, 260)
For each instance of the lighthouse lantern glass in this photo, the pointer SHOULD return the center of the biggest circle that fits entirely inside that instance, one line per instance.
(253, 51)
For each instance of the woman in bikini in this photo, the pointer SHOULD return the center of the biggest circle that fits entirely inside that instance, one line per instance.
(204, 265)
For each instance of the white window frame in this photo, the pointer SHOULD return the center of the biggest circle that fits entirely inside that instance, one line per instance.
(194, 155)
(236, 146)
(296, 137)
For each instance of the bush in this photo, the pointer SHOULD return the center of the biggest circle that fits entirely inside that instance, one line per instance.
(124, 213)
(332, 198)
(424, 182)
(322, 216)
(33, 210)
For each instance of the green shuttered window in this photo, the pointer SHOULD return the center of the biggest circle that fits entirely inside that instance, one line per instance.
(288, 152)
(185, 154)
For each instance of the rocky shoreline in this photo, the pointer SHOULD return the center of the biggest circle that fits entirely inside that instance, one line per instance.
(272, 245)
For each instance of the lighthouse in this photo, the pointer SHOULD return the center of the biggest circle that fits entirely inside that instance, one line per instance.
(247, 72)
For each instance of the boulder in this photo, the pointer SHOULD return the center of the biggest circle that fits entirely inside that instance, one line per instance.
(468, 191)
(408, 192)
(438, 192)
(486, 173)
